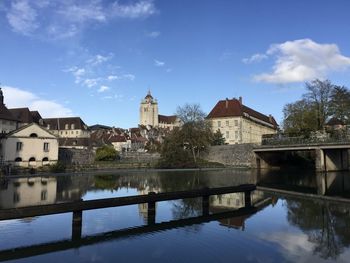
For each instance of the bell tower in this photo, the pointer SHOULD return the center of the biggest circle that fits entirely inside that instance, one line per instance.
(149, 111)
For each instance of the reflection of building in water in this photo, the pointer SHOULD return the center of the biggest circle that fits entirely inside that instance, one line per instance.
(223, 203)
(24, 192)
(234, 200)
(143, 208)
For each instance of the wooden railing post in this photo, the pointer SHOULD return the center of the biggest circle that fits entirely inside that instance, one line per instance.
(247, 199)
(77, 224)
(151, 210)
(205, 202)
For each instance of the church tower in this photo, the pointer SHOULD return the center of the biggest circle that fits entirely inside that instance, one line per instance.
(149, 111)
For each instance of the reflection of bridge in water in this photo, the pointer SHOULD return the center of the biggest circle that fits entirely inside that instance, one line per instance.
(327, 156)
(77, 208)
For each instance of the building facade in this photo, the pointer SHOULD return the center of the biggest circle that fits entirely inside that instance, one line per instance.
(239, 123)
(29, 146)
(149, 115)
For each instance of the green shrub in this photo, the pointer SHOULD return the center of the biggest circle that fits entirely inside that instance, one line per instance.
(58, 167)
(106, 153)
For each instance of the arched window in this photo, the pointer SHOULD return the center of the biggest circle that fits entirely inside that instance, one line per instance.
(45, 159)
(33, 135)
(18, 159)
(31, 159)
(72, 126)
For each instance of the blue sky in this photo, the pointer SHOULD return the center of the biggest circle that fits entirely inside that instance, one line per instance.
(97, 59)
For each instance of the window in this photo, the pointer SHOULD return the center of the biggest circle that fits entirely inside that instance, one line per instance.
(219, 123)
(31, 159)
(45, 159)
(43, 195)
(236, 122)
(72, 126)
(46, 146)
(33, 135)
(18, 159)
(48, 126)
(227, 123)
(66, 127)
(19, 146)
(76, 132)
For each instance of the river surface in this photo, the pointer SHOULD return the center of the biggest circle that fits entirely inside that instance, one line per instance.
(281, 228)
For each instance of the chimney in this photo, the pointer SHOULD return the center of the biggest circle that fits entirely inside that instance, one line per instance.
(270, 118)
(226, 103)
(240, 100)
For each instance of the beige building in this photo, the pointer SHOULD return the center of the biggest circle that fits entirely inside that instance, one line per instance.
(29, 146)
(23, 192)
(71, 131)
(149, 115)
(69, 127)
(239, 123)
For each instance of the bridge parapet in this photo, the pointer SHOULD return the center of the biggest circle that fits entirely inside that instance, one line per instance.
(316, 139)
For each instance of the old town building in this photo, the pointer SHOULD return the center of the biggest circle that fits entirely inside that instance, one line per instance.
(239, 123)
(149, 114)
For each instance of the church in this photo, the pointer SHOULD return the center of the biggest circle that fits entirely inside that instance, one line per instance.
(149, 115)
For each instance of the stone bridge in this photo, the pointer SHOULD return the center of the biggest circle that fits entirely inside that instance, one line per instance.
(327, 156)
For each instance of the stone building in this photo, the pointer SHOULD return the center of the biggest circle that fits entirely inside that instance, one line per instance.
(149, 114)
(239, 123)
(29, 146)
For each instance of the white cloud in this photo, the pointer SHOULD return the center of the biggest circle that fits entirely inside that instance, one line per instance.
(91, 82)
(124, 76)
(255, 58)
(66, 18)
(129, 77)
(303, 60)
(153, 34)
(22, 17)
(17, 98)
(82, 12)
(139, 9)
(78, 73)
(103, 89)
(159, 63)
(98, 59)
(112, 77)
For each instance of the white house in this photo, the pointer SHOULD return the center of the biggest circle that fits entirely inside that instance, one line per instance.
(29, 146)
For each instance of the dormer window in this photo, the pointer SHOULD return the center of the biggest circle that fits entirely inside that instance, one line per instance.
(72, 126)
(66, 127)
(48, 126)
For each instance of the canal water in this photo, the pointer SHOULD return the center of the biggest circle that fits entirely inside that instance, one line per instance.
(283, 228)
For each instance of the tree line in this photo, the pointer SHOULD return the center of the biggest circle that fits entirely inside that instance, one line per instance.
(322, 101)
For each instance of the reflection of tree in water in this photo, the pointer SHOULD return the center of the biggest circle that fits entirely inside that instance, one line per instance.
(327, 225)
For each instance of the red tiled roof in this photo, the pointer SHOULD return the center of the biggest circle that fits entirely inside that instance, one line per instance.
(234, 108)
(166, 119)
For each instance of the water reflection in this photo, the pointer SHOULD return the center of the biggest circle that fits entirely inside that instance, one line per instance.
(325, 225)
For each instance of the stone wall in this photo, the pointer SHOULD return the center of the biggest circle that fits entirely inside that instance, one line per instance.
(75, 156)
(139, 157)
(232, 155)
